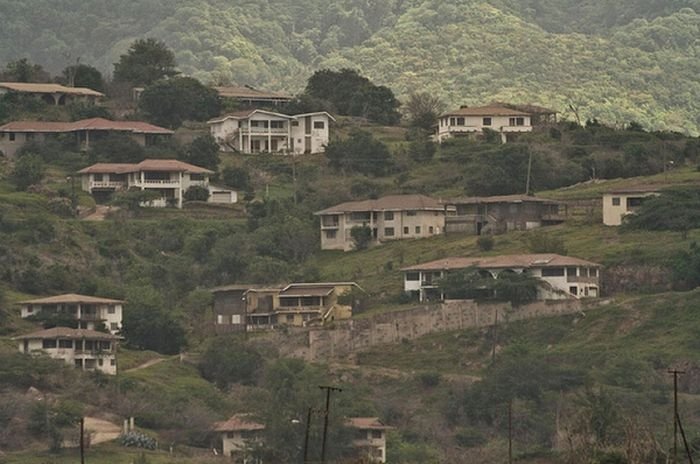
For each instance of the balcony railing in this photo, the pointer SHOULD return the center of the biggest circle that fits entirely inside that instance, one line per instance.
(157, 182)
(582, 279)
(107, 184)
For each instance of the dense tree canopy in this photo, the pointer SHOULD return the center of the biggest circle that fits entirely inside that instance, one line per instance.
(146, 61)
(360, 152)
(171, 102)
(82, 75)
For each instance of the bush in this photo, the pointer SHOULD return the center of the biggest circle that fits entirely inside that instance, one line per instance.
(485, 242)
(28, 170)
(197, 193)
(135, 439)
(228, 360)
(429, 379)
(361, 237)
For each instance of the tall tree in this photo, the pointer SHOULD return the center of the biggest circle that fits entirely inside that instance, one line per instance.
(24, 71)
(361, 153)
(204, 152)
(423, 109)
(83, 75)
(172, 101)
(146, 61)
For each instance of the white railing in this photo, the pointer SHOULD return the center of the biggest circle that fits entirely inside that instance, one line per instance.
(158, 182)
(107, 184)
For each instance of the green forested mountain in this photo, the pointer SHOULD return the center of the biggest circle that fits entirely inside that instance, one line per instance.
(612, 60)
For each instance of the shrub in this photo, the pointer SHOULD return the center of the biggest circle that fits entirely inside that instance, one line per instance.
(361, 237)
(429, 379)
(228, 360)
(29, 170)
(197, 193)
(546, 243)
(485, 242)
(137, 440)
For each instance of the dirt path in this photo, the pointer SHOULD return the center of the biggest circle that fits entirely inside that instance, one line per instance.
(149, 363)
(100, 213)
(398, 373)
(100, 430)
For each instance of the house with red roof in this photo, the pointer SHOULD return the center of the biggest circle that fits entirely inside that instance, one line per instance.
(14, 135)
(506, 120)
(239, 436)
(53, 94)
(262, 131)
(169, 177)
(370, 437)
(563, 277)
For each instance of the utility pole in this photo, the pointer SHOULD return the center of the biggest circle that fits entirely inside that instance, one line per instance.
(294, 176)
(328, 389)
(675, 373)
(685, 440)
(306, 435)
(529, 171)
(82, 440)
(510, 431)
(495, 338)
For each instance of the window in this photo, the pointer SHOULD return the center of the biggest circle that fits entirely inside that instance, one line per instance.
(377, 434)
(100, 362)
(290, 317)
(571, 271)
(295, 123)
(12, 136)
(30, 308)
(97, 177)
(197, 177)
(112, 362)
(388, 231)
(460, 121)
(553, 272)
(48, 344)
(405, 230)
(486, 122)
(418, 230)
(235, 318)
(520, 121)
(331, 234)
(219, 318)
(411, 213)
(65, 343)
(113, 326)
(111, 309)
(388, 215)
(79, 363)
(616, 201)
(319, 125)
(277, 124)
(573, 290)
(430, 230)
(413, 276)
(593, 272)
(453, 121)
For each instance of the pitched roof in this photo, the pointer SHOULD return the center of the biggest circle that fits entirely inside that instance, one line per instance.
(49, 88)
(245, 114)
(490, 110)
(638, 189)
(502, 261)
(314, 113)
(366, 423)
(165, 165)
(238, 422)
(68, 333)
(314, 288)
(72, 298)
(387, 203)
(92, 124)
(247, 92)
(498, 199)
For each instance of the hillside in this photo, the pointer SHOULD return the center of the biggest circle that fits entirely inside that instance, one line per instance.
(615, 61)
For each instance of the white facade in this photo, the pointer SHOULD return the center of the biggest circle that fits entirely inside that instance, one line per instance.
(259, 131)
(468, 121)
(617, 205)
(85, 349)
(574, 279)
(90, 312)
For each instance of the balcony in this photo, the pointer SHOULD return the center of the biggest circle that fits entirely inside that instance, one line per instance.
(582, 280)
(330, 224)
(466, 129)
(157, 183)
(107, 185)
(91, 317)
(516, 129)
(263, 131)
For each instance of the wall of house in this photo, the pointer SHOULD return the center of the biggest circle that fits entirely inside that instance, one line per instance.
(613, 214)
(10, 147)
(69, 355)
(317, 138)
(476, 124)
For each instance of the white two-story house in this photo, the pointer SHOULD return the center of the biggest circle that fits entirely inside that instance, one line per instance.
(563, 276)
(170, 178)
(471, 121)
(89, 311)
(261, 131)
(87, 350)
(370, 438)
(393, 217)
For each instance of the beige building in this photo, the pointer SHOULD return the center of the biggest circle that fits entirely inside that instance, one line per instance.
(170, 178)
(370, 437)
(261, 131)
(14, 135)
(622, 202)
(53, 94)
(563, 276)
(241, 308)
(471, 121)
(239, 436)
(87, 350)
(394, 217)
(89, 311)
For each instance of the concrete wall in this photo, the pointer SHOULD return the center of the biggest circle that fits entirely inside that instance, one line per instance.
(348, 337)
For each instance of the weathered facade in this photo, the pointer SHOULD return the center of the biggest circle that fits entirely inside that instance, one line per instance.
(501, 214)
(620, 203)
(90, 312)
(370, 437)
(239, 435)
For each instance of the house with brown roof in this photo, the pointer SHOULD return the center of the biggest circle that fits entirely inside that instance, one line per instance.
(239, 436)
(370, 437)
(621, 202)
(242, 308)
(85, 349)
(14, 135)
(53, 94)
(563, 277)
(261, 131)
(501, 214)
(393, 217)
(247, 95)
(467, 121)
(169, 177)
(90, 312)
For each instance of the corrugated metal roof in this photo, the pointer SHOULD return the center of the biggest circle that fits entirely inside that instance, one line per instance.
(490, 110)
(502, 261)
(49, 88)
(72, 298)
(165, 165)
(387, 203)
(237, 423)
